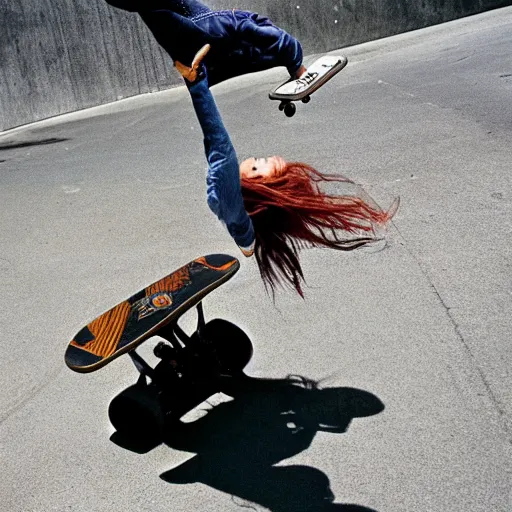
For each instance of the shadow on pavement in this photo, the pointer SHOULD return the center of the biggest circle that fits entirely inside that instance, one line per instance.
(25, 144)
(239, 443)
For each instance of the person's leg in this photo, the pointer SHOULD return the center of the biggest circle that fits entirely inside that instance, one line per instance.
(185, 8)
(245, 42)
(178, 36)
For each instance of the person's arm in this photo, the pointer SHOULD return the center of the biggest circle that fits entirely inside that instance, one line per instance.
(273, 41)
(223, 180)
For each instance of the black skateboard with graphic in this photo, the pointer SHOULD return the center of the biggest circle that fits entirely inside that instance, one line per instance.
(190, 367)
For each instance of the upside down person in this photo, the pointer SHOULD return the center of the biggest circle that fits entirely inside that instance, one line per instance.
(273, 208)
(242, 41)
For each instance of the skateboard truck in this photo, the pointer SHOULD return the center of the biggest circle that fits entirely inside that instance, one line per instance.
(142, 367)
(289, 107)
(190, 370)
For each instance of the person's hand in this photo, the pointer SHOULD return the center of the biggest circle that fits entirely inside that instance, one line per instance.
(190, 73)
(248, 251)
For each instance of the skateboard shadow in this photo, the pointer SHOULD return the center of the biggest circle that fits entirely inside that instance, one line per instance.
(140, 445)
(239, 443)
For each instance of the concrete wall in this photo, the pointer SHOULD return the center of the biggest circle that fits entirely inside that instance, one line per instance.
(58, 56)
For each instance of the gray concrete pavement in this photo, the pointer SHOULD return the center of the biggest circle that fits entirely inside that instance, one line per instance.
(424, 326)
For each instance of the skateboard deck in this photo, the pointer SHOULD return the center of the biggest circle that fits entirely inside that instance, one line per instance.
(130, 323)
(300, 89)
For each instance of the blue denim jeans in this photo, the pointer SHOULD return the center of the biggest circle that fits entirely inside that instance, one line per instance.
(224, 194)
(242, 42)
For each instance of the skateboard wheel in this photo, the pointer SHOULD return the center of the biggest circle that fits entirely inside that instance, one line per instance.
(164, 351)
(282, 105)
(159, 350)
(232, 346)
(136, 412)
(306, 99)
(290, 110)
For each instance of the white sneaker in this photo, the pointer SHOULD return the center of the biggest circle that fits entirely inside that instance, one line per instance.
(315, 73)
(299, 84)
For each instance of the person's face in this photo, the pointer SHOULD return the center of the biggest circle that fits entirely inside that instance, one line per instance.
(261, 167)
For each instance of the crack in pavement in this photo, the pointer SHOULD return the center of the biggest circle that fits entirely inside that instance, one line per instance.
(31, 393)
(502, 413)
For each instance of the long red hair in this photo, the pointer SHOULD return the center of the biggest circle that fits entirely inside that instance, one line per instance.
(290, 212)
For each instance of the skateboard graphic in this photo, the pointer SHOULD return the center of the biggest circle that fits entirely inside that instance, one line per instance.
(190, 367)
(301, 89)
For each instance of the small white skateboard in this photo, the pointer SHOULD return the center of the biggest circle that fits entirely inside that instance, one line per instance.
(301, 89)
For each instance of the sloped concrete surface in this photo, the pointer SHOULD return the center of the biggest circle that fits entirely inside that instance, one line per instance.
(62, 56)
(417, 334)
